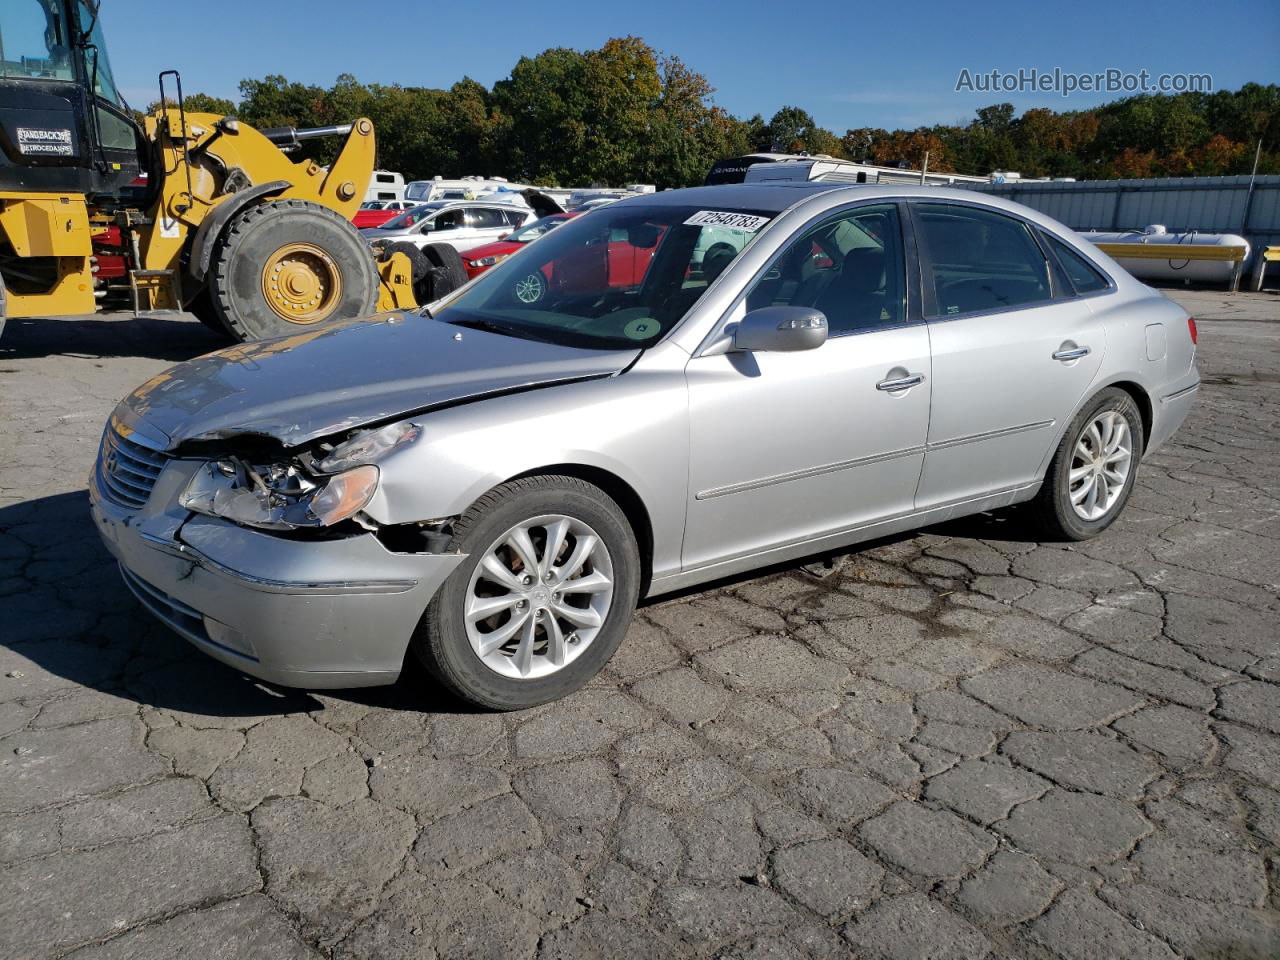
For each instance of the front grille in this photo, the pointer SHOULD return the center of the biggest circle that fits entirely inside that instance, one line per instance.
(126, 469)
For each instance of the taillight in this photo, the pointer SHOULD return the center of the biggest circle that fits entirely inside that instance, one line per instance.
(1191, 329)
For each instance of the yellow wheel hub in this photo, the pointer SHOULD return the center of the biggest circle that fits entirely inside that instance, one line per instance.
(302, 283)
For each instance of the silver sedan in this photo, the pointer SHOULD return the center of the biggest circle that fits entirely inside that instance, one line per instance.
(674, 389)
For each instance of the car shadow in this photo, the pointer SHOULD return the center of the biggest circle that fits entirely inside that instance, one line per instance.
(1012, 524)
(177, 336)
(68, 620)
(1009, 524)
(68, 613)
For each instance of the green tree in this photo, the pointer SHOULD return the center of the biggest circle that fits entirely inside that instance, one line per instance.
(200, 103)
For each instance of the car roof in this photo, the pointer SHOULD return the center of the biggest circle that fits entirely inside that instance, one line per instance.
(768, 197)
(778, 196)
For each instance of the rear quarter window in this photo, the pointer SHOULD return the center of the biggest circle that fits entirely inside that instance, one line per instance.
(1084, 276)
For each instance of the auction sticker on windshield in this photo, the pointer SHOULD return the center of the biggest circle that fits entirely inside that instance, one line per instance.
(723, 218)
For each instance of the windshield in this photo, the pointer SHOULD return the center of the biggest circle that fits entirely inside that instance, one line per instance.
(99, 64)
(532, 231)
(34, 41)
(373, 205)
(622, 277)
(410, 217)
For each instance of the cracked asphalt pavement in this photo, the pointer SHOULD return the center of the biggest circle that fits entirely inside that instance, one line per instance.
(949, 744)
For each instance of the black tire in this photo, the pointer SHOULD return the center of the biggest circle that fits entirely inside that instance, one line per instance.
(3, 311)
(435, 285)
(202, 309)
(253, 238)
(419, 268)
(1052, 507)
(443, 255)
(441, 641)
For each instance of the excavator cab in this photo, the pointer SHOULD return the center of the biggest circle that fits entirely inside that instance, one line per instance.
(64, 127)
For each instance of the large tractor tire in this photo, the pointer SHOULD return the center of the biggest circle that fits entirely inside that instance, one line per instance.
(202, 309)
(3, 312)
(450, 261)
(287, 266)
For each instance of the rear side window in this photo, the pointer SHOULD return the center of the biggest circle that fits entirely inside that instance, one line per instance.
(979, 260)
(1085, 277)
(485, 218)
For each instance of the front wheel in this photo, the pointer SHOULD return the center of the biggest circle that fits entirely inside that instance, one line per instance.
(543, 599)
(288, 265)
(1094, 468)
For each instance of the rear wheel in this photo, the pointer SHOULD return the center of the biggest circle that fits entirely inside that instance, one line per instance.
(1094, 468)
(288, 265)
(449, 261)
(543, 599)
(3, 311)
(419, 268)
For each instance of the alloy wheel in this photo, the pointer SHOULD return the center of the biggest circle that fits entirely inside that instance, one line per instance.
(539, 596)
(1100, 463)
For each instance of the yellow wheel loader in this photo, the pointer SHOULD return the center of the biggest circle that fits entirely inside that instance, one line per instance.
(226, 225)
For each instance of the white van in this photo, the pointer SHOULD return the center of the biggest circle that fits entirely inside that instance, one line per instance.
(767, 167)
(466, 188)
(385, 185)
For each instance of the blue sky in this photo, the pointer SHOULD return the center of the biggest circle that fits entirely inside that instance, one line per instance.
(877, 64)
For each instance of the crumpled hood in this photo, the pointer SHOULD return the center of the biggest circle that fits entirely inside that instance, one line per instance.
(314, 384)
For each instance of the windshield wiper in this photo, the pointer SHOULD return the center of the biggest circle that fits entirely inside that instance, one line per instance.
(480, 323)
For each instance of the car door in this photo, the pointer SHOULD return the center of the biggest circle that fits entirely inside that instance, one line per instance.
(788, 447)
(486, 225)
(445, 226)
(1013, 354)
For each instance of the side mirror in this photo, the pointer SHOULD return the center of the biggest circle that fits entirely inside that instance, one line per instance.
(781, 329)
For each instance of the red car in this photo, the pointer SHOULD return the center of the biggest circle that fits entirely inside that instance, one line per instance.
(374, 213)
(479, 259)
(615, 264)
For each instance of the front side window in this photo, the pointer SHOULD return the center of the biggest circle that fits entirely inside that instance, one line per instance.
(35, 41)
(622, 277)
(850, 267)
(1084, 276)
(446, 220)
(976, 260)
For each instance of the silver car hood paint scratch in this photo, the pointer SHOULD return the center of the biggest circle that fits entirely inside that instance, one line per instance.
(323, 382)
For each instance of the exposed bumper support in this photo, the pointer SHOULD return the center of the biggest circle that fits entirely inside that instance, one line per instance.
(313, 614)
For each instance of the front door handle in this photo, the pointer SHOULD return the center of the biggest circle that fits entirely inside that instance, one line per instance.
(1070, 353)
(901, 383)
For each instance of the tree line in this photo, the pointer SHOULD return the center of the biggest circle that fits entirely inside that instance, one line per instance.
(625, 113)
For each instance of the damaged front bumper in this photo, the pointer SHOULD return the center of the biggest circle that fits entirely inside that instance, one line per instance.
(297, 612)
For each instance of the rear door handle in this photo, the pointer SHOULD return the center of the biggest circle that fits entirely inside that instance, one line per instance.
(901, 383)
(1071, 353)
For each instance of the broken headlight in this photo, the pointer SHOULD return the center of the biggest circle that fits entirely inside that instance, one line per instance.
(369, 446)
(278, 496)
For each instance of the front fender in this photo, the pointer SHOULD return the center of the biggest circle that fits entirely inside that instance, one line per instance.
(633, 426)
(211, 227)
